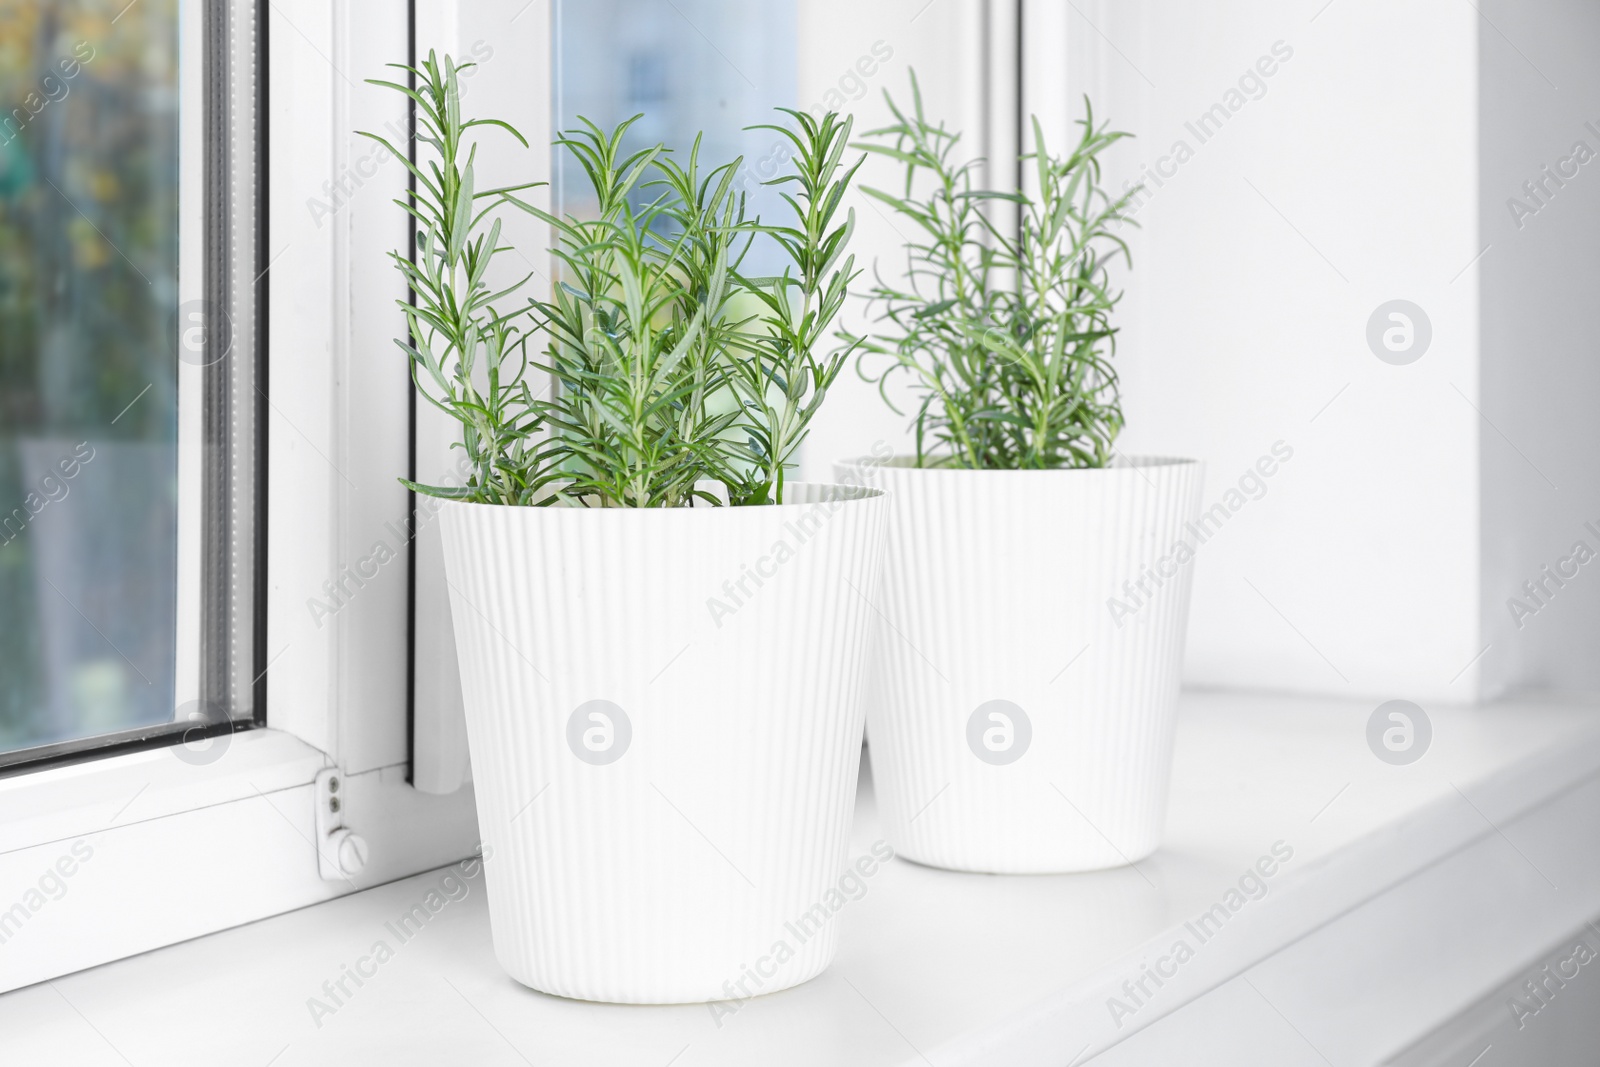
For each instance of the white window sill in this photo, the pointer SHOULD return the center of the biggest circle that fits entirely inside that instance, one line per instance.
(1411, 891)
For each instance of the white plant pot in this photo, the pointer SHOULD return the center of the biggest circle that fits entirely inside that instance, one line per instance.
(664, 712)
(1018, 720)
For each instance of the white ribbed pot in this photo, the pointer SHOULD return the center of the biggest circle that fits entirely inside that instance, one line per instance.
(664, 712)
(1020, 712)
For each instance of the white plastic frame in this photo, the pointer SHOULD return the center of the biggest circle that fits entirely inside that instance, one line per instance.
(171, 843)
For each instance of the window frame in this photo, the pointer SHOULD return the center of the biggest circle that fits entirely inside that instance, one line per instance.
(196, 838)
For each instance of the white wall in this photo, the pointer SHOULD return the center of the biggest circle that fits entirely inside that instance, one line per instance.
(1350, 182)
(1388, 146)
(1539, 91)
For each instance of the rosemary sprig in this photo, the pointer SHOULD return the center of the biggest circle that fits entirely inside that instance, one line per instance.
(1006, 335)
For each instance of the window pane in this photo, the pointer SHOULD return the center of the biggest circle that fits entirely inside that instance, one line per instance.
(89, 332)
(687, 66)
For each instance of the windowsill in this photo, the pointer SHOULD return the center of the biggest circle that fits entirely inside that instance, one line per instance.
(937, 967)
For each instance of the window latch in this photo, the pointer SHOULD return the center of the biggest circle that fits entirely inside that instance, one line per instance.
(341, 852)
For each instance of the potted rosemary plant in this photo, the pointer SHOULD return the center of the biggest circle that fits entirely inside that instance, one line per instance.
(1016, 724)
(661, 651)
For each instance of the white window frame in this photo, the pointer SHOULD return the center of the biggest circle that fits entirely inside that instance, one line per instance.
(167, 844)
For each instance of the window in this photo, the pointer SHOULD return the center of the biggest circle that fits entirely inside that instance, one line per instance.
(127, 476)
(279, 471)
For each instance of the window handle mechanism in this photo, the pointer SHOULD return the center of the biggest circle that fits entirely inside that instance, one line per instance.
(341, 852)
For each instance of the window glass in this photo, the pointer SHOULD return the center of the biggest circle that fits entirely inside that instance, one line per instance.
(687, 66)
(88, 366)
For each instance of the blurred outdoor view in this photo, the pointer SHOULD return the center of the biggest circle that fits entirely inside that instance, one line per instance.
(88, 368)
(687, 66)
